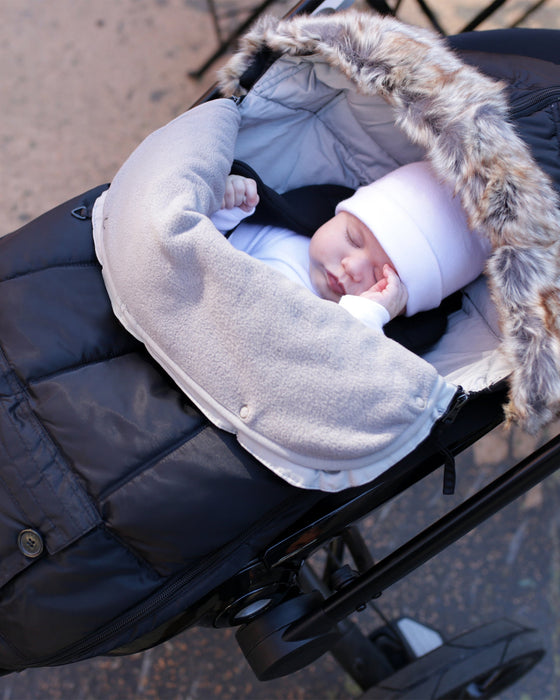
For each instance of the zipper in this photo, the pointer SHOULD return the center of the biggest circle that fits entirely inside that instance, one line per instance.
(534, 101)
(82, 650)
(449, 476)
(459, 400)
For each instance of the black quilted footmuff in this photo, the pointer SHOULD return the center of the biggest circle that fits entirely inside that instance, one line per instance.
(121, 504)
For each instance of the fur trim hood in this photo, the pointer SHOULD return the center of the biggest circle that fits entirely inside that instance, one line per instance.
(460, 118)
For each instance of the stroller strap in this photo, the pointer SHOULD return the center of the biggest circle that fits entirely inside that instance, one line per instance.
(302, 210)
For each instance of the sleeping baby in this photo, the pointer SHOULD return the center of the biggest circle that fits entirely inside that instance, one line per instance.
(399, 245)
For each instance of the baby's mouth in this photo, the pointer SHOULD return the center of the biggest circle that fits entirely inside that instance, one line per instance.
(335, 285)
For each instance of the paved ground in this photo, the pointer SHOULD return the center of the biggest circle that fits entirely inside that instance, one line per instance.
(81, 84)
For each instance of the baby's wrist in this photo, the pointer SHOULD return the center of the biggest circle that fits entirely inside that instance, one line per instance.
(367, 310)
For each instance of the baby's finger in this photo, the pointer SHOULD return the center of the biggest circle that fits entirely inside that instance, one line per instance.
(228, 201)
(390, 274)
(251, 194)
(378, 287)
(239, 185)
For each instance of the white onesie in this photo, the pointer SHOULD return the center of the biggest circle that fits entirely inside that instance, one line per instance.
(288, 252)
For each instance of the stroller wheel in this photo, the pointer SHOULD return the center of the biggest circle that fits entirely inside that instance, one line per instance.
(268, 653)
(477, 664)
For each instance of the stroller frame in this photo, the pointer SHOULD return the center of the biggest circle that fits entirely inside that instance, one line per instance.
(281, 638)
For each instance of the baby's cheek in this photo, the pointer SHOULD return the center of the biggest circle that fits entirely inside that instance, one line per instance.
(313, 278)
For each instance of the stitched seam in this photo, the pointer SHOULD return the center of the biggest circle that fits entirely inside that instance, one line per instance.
(14, 649)
(56, 266)
(357, 165)
(24, 396)
(148, 464)
(54, 453)
(133, 552)
(481, 315)
(299, 108)
(273, 78)
(555, 109)
(74, 368)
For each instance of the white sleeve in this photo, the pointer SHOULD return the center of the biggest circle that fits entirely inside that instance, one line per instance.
(226, 219)
(369, 312)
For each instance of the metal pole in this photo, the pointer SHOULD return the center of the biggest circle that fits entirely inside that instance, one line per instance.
(483, 15)
(431, 541)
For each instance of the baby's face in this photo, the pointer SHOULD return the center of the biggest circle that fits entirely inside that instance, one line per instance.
(345, 258)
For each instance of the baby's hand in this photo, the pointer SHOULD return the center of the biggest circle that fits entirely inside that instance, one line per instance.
(389, 291)
(240, 192)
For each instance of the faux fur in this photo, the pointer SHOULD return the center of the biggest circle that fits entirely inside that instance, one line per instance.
(461, 118)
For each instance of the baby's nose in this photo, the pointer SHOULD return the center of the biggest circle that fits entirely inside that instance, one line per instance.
(353, 267)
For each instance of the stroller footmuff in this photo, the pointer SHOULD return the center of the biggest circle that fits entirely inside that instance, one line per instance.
(156, 425)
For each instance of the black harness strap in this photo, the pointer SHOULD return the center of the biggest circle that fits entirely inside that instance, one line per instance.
(302, 210)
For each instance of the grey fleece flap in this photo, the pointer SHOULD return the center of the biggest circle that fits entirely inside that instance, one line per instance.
(316, 396)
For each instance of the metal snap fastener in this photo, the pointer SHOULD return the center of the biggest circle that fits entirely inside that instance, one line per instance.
(30, 543)
(244, 412)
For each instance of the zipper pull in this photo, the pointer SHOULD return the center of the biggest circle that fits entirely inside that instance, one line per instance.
(449, 474)
(459, 400)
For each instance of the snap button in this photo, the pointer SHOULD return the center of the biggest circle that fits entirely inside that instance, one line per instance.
(30, 543)
(244, 412)
(420, 403)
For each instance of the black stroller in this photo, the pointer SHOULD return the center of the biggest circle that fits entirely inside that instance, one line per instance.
(129, 517)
